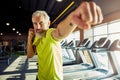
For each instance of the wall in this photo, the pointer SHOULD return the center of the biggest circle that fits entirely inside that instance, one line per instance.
(11, 36)
(112, 16)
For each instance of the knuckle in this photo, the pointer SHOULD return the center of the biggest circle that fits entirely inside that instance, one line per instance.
(85, 4)
(92, 4)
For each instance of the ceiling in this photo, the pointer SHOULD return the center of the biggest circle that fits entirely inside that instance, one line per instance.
(18, 12)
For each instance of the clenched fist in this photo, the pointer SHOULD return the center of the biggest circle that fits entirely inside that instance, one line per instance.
(87, 14)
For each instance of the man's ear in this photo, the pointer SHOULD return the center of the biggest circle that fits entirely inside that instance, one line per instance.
(49, 23)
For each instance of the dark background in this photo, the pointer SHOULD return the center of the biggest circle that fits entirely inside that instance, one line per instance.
(18, 12)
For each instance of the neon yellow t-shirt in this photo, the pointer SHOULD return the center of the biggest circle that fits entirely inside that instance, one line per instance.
(49, 57)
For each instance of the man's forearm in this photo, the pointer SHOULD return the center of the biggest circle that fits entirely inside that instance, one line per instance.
(30, 49)
(83, 17)
(65, 27)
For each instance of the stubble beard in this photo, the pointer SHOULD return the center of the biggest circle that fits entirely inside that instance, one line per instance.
(39, 34)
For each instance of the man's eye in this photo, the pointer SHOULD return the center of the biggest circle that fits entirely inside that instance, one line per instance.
(41, 23)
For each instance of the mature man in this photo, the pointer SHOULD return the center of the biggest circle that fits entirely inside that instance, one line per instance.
(45, 41)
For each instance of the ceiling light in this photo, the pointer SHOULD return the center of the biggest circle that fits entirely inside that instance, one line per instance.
(7, 24)
(1, 33)
(13, 29)
(59, 0)
(17, 32)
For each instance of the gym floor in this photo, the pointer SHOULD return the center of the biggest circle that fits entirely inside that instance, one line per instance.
(20, 68)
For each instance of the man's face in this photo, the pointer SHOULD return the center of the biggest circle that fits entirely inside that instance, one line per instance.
(40, 24)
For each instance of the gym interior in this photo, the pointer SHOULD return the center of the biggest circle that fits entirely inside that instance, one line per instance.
(91, 54)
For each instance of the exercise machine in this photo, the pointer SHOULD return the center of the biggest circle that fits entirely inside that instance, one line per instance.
(114, 51)
(96, 73)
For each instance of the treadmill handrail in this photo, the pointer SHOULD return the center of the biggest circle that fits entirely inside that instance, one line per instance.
(115, 46)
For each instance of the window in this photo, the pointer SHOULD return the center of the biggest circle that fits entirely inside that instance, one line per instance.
(110, 30)
(114, 27)
(100, 30)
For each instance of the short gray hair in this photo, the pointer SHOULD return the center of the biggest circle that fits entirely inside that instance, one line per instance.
(38, 13)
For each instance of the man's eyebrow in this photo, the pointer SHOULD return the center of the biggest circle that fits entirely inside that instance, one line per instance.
(41, 22)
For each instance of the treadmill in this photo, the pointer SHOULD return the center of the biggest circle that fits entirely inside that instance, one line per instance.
(93, 74)
(114, 51)
(82, 63)
(68, 56)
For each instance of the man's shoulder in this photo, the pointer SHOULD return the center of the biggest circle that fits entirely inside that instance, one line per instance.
(50, 30)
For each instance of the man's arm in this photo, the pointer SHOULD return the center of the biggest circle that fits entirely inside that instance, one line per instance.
(30, 47)
(85, 15)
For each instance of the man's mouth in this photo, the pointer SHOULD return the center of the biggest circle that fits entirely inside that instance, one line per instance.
(38, 30)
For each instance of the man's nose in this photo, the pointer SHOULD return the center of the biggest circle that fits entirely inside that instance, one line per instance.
(39, 26)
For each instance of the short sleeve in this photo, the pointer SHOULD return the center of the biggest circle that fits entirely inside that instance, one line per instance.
(50, 36)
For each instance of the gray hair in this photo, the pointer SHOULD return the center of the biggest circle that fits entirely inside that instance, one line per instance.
(38, 13)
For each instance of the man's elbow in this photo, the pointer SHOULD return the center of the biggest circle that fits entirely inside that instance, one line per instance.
(29, 56)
